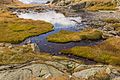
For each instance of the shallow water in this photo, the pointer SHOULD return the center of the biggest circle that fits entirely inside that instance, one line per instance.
(60, 22)
(35, 1)
(57, 19)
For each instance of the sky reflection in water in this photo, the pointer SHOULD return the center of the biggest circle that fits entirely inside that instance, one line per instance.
(57, 19)
(35, 1)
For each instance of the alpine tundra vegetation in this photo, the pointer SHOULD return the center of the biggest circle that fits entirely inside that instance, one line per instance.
(80, 42)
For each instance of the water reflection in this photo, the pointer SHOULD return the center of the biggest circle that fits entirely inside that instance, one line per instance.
(60, 22)
(57, 19)
(35, 1)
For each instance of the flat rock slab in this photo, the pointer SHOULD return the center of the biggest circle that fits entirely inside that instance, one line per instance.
(57, 70)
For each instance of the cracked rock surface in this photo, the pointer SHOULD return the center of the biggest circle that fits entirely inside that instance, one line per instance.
(58, 70)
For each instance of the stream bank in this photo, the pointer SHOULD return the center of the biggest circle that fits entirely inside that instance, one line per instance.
(60, 22)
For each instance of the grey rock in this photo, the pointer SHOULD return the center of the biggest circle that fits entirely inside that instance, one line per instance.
(28, 72)
(87, 73)
(117, 78)
(2, 44)
(113, 32)
(108, 70)
(43, 71)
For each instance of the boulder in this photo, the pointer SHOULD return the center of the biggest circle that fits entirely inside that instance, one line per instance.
(87, 72)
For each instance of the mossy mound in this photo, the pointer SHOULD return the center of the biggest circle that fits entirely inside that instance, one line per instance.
(68, 36)
(23, 54)
(15, 30)
(107, 52)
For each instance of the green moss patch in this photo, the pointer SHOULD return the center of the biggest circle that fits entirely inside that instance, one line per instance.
(15, 30)
(23, 54)
(107, 52)
(67, 36)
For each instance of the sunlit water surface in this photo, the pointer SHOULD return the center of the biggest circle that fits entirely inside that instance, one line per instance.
(35, 1)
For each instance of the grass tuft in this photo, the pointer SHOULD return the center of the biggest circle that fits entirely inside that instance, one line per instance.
(15, 30)
(68, 36)
(96, 6)
(107, 52)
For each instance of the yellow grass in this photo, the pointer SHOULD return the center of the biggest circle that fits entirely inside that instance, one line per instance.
(15, 30)
(107, 52)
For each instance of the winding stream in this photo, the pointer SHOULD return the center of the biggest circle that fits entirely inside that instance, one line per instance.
(60, 22)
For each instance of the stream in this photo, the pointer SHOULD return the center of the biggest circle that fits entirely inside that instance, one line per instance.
(35, 1)
(60, 22)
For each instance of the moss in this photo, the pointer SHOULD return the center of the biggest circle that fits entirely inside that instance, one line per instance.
(15, 30)
(23, 54)
(67, 36)
(63, 36)
(107, 52)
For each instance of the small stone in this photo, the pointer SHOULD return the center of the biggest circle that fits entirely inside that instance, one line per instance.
(10, 47)
(112, 32)
(2, 45)
(8, 44)
(115, 71)
(24, 45)
(108, 70)
(117, 78)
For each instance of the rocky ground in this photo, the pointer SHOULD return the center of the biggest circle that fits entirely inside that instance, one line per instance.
(41, 66)
(58, 70)
(25, 63)
(104, 21)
